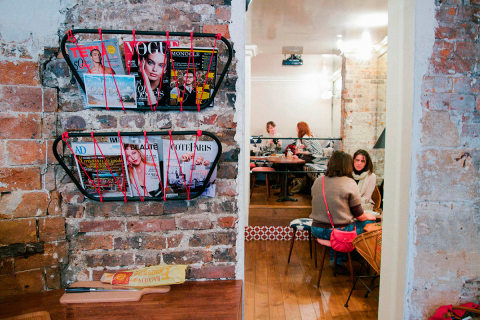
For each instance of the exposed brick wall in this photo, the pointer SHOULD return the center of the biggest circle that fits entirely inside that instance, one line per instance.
(364, 107)
(446, 217)
(50, 235)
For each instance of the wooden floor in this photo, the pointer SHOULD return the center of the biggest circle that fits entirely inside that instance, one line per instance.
(275, 290)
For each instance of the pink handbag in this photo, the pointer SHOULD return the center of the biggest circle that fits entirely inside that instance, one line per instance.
(339, 240)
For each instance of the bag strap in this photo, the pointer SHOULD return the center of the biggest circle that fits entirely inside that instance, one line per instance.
(326, 205)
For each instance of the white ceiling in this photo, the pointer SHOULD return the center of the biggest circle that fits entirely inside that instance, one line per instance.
(313, 24)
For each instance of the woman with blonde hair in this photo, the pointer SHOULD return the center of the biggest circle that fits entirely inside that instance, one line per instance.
(143, 176)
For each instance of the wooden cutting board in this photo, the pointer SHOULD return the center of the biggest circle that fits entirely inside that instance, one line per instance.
(107, 296)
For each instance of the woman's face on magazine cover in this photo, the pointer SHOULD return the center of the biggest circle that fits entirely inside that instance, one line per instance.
(154, 66)
(133, 156)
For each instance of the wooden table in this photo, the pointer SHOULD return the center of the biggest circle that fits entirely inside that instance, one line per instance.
(191, 300)
(284, 163)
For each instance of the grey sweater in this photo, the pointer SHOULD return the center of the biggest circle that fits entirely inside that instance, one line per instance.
(342, 193)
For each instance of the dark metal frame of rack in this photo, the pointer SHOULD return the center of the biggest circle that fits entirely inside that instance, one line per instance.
(114, 134)
(153, 33)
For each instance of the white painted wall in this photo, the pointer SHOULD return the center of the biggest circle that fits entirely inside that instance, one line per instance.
(289, 94)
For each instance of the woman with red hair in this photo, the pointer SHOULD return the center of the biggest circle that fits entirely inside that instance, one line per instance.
(310, 149)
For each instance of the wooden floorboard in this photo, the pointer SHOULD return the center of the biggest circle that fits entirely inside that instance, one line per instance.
(279, 290)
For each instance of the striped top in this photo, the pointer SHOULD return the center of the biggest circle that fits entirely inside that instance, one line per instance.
(313, 146)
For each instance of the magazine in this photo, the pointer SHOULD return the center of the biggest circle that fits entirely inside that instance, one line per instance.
(120, 91)
(150, 62)
(88, 57)
(193, 81)
(142, 45)
(144, 165)
(188, 172)
(96, 175)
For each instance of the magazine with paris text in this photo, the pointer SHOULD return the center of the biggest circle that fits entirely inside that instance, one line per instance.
(189, 171)
(149, 64)
(192, 80)
(89, 58)
(102, 174)
(144, 165)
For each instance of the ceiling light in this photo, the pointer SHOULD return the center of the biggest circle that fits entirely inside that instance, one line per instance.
(372, 20)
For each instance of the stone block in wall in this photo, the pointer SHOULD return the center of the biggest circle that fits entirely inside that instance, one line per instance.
(74, 211)
(190, 222)
(212, 239)
(21, 99)
(111, 209)
(174, 240)
(51, 229)
(151, 242)
(151, 225)
(186, 257)
(151, 209)
(18, 231)
(227, 222)
(49, 126)
(101, 226)
(23, 205)
(109, 259)
(439, 130)
(91, 242)
(22, 283)
(132, 121)
(224, 254)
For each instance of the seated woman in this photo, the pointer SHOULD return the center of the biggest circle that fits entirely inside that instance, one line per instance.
(272, 145)
(363, 175)
(343, 199)
(308, 150)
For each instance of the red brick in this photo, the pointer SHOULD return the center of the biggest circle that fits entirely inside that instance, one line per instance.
(225, 255)
(49, 126)
(20, 126)
(174, 241)
(51, 229)
(465, 49)
(153, 243)
(111, 209)
(6, 265)
(444, 49)
(221, 28)
(73, 211)
(127, 243)
(50, 100)
(151, 225)
(227, 122)
(50, 179)
(33, 204)
(109, 260)
(223, 13)
(194, 223)
(54, 207)
(447, 101)
(74, 123)
(19, 73)
(151, 209)
(18, 231)
(20, 179)
(55, 254)
(226, 188)
(52, 276)
(209, 119)
(212, 239)
(100, 226)
(185, 257)
(73, 197)
(212, 272)
(227, 222)
(22, 282)
(22, 99)
(2, 153)
(92, 242)
(25, 152)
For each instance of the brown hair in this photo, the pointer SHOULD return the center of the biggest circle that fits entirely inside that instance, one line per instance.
(303, 129)
(270, 123)
(368, 160)
(339, 165)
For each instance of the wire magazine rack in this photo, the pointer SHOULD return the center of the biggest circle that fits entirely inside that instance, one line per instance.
(70, 36)
(97, 196)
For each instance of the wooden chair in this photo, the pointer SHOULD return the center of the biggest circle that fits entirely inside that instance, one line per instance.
(266, 171)
(369, 246)
(377, 199)
(327, 246)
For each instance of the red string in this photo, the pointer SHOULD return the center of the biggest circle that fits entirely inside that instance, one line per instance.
(123, 169)
(168, 163)
(123, 189)
(134, 42)
(153, 160)
(64, 138)
(96, 165)
(193, 162)
(104, 53)
(194, 73)
(178, 161)
(72, 38)
(175, 74)
(218, 37)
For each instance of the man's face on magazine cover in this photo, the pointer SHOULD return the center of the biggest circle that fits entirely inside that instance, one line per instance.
(189, 79)
(95, 56)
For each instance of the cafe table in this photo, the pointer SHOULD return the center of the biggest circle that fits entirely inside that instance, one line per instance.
(284, 163)
(190, 300)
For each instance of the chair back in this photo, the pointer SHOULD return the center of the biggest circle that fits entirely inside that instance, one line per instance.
(369, 245)
(377, 200)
